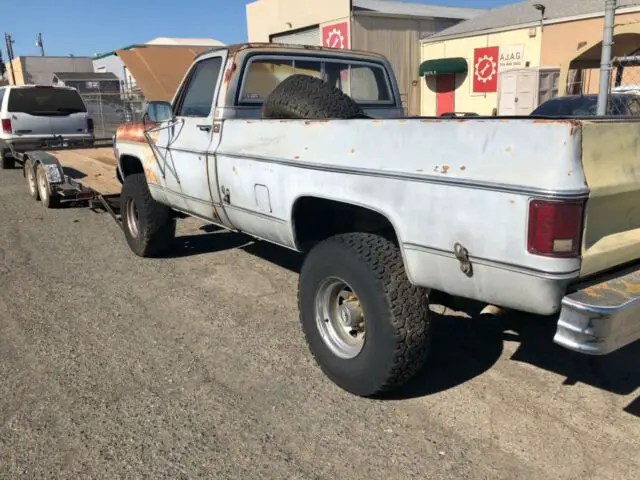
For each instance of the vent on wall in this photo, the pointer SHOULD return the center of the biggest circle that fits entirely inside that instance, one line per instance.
(533, 32)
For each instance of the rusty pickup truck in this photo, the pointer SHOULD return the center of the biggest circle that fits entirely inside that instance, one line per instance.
(308, 148)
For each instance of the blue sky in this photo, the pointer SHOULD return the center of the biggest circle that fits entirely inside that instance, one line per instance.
(90, 26)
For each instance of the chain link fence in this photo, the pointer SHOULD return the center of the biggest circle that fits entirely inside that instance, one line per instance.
(109, 110)
(624, 86)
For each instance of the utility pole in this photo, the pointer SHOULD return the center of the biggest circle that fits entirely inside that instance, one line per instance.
(9, 42)
(605, 59)
(40, 44)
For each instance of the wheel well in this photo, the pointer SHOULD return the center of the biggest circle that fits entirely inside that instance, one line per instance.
(315, 219)
(130, 165)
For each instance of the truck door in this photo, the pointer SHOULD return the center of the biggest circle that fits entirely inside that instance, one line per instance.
(192, 141)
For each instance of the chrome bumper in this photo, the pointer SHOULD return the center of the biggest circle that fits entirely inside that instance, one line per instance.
(601, 318)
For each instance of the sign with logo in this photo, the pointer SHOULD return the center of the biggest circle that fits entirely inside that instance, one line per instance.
(335, 35)
(485, 69)
(511, 56)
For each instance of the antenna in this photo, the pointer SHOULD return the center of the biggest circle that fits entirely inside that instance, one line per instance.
(40, 44)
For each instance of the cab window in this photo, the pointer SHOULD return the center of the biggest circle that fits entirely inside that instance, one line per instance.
(197, 98)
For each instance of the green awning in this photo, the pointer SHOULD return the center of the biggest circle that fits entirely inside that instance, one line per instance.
(440, 66)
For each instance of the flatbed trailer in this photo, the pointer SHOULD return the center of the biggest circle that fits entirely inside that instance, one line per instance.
(58, 174)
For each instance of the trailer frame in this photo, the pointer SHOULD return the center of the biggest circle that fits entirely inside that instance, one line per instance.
(38, 165)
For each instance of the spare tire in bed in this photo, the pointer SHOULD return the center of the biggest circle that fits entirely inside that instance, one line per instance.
(303, 96)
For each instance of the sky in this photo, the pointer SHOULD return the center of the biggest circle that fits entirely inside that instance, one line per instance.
(87, 27)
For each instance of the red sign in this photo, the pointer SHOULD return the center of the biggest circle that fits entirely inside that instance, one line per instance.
(336, 35)
(485, 69)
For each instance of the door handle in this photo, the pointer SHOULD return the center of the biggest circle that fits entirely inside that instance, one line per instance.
(204, 128)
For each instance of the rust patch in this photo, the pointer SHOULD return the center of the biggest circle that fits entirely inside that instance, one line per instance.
(235, 170)
(569, 173)
(445, 169)
(297, 157)
(353, 151)
(230, 71)
(420, 170)
(151, 176)
(463, 168)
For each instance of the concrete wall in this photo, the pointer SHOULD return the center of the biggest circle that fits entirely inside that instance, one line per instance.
(40, 70)
(268, 17)
(561, 41)
(465, 99)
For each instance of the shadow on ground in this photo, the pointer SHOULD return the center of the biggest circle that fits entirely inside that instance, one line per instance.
(463, 348)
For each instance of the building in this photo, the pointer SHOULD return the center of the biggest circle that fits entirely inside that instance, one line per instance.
(25, 70)
(510, 59)
(390, 28)
(153, 69)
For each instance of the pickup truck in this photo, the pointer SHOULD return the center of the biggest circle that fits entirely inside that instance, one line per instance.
(308, 148)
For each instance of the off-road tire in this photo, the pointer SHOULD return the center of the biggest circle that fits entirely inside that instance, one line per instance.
(303, 96)
(7, 162)
(156, 222)
(48, 198)
(397, 317)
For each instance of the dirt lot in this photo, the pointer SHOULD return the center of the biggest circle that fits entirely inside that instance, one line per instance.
(193, 366)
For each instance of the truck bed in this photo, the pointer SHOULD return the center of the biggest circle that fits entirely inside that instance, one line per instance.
(93, 167)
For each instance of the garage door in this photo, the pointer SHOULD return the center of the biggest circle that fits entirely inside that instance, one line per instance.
(309, 36)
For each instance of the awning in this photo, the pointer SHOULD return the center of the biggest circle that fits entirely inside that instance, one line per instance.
(441, 66)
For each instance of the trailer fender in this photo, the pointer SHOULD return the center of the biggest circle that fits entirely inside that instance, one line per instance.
(52, 167)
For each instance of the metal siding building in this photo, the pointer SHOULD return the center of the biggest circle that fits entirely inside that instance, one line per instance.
(393, 29)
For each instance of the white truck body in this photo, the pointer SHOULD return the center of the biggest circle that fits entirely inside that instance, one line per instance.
(459, 194)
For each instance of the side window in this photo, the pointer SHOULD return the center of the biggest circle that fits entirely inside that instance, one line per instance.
(2, 90)
(197, 99)
(363, 83)
(264, 75)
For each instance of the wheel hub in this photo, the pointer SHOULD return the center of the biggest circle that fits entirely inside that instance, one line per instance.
(340, 319)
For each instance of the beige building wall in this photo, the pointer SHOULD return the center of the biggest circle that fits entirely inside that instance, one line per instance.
(268, 17)
(465, 99)
(15, 66)
(561, 41)
(398, 39)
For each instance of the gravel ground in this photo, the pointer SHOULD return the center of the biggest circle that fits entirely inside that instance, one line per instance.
(193, 366)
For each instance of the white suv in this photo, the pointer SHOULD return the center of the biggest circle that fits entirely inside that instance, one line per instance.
(39, 113)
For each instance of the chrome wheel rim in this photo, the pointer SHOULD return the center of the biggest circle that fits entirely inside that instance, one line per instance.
(42, 185)
(340, 318)
(132, 217)
(31, 180)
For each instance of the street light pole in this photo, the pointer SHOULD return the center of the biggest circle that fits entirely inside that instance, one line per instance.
(605, 59)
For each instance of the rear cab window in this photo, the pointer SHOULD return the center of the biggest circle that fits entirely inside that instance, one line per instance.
(366, 82)
(46, 101)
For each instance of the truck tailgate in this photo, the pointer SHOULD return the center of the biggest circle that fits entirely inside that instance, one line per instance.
(611, 162)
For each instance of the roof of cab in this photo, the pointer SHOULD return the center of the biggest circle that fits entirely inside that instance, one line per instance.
(239, 47)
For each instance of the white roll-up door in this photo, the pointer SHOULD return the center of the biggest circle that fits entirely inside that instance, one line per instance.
(310, 36)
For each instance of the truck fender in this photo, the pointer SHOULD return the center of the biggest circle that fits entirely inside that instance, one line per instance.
(52, 167)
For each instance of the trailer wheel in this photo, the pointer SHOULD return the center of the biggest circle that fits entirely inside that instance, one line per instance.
(366, 325)
(304, 96)
(30, 176)
(7, 162)
(149, 226)
(48, 197)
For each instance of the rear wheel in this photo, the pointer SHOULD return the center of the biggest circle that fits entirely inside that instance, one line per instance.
(30, 176)
(48, 197)
(366, 325)
(6, 160)
(149, 226)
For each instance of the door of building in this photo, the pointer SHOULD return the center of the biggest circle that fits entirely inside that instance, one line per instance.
(518, 92)
(445, 93)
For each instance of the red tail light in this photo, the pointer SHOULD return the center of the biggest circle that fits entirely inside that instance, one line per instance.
(90, 125)
(555, 228)
(6, 125)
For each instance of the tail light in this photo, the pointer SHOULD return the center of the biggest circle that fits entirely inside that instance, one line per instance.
(90, 125)
(555, 228)
(6, 125)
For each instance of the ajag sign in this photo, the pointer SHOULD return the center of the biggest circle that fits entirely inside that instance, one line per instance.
(511, 56)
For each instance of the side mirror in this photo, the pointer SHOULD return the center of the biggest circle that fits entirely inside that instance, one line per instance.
(159, 112)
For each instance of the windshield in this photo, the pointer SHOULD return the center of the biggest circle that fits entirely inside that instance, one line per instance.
(45, 101)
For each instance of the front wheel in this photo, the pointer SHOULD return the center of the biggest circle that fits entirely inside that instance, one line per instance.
(149, 226)
(366, 325)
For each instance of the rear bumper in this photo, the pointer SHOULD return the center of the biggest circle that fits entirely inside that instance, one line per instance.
(24, 143)
(601, 318)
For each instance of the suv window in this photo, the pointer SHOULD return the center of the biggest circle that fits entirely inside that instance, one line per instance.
(365, 83)
(45, 101)
(2, 90)
(197, 99)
